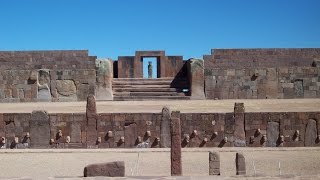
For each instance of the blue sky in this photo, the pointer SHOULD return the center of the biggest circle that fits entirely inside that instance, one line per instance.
(181, 27)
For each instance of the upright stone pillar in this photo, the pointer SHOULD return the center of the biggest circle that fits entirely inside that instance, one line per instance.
(176, 167)
(165, 138)
(150, 69)
(239, 132)
(39, 129)
(240, 164)
(104, 78)
(196, 78)
(91, 113)
(214, 163)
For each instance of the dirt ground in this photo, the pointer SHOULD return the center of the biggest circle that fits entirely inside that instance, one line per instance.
(199, 106)
(40, 164)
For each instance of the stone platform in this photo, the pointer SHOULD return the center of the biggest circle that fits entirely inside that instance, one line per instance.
(296, 163)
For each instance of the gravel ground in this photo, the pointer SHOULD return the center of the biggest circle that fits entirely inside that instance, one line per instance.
(197, 106)
(40, 164)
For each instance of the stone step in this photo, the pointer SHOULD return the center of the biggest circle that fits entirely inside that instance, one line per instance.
(141, 82)
(144, 79)
(146, 90)
(148, 98)
(117, 86)
(123, 94)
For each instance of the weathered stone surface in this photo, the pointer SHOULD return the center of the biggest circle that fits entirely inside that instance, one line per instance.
(91, 113)
(175, 128)
(272, 134)
(130, 135)
(240, 164)
(165, 137)
(34, 75)
(44, 94)
(196, 78)
(82, 92)
(111, 169)
(39, 129)
(104, 78)
(239, 132)
(66, 87)
(214, 163)
(311, 133)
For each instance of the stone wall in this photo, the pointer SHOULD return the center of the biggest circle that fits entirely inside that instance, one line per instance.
(70, 75)
(144, 130)
(262, 74)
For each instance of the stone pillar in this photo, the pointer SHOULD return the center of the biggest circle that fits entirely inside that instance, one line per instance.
(165, 137)
(214, 163)
(240, 164)
(239, 132)
(104, 79)
(196, 78)
(39, 129)
(176, 167)
(311, 133)
(150, 69)
(91, 113)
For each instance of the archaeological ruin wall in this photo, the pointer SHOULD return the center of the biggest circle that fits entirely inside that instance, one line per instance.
(262, 73)
(51, 76)
(57, 76)
(239, 128)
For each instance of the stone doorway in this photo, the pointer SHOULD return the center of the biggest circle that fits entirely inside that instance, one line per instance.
(150, 67)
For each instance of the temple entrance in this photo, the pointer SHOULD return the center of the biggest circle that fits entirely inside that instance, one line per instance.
(150, 67)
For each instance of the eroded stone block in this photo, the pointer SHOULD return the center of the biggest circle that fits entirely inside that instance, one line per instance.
(111, 169)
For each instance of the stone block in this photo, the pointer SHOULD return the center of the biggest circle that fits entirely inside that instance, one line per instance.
(111, 169)
(240, 164)
(175, 129)
(272, 134)
(196, 78)
(39, 129)
(311, 133)
(214, 163)
(165, 137)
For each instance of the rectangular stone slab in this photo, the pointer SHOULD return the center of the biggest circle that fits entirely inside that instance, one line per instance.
(272, 134)
(39, 129)
(311, 133)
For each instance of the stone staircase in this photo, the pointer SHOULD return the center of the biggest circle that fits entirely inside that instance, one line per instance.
(140, 89)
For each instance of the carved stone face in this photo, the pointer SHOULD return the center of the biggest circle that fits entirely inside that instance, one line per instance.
(158, 140)
(60, 133)
(264, 138)
(99, 140)
(225, 139)
(121, 139)
(139, 139)
(148, 134)
(110, 134)
(281, 139)
(68, 139)
(27, 135)
(16, 140)
(3, 140)
(44, 77)
(205, 140)
(187, 138)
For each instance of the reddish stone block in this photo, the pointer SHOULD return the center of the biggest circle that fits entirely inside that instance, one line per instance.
(111, 169)
(175, 129)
